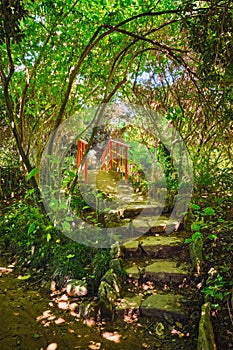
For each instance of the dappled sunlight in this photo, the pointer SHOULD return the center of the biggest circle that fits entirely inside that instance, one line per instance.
(59, 321)
(90, 322)
(8, 269)
(55, 323)
(148, 285)
(52, 346)
(63, 305)
(112, 336)
(46, 315)
(131, 318)
(71, 331)
(94, 346)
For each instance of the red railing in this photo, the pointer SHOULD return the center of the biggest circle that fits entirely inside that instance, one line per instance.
(82, 145)
(114, 157)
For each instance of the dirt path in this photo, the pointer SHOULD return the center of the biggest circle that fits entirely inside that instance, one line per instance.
(32, 322)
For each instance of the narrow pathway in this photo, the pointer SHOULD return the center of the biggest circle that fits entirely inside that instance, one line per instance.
(151, 313)
(31, 320)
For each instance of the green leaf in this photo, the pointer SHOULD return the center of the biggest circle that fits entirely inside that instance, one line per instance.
(196, 236)
(195, 206)
(63, 205)
(212, 236)
(31, 228)
(32, 173)
(23, 278)
(29, 193)
(159, 329)
(221, 220)
(209, 211)
(48, 237)
(49, 227)
(195, 227)
(70, 256)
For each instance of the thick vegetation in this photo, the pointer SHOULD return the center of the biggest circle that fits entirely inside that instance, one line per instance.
(172, 57)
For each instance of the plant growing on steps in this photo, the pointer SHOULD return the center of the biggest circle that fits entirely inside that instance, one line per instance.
(196, 240)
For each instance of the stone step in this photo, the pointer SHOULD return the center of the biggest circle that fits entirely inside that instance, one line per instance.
(129, 230)
(126, 211)
(156, 224)
(134, 209)
(153, 246)
(169, 306)
(166, 306)
(160, 271)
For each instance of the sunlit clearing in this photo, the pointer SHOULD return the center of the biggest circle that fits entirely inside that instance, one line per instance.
(112, 336)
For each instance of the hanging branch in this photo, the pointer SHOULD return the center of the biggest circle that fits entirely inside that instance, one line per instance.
(96, 38)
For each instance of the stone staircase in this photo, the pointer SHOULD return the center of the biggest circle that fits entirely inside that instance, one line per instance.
(157, 267)
(156, 263)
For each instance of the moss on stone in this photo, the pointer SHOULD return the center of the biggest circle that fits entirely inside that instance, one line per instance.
(206, 335)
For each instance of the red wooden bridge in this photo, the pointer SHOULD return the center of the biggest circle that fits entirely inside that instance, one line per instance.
(114, 157)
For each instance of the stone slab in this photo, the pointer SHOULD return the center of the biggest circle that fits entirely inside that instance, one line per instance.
(164, 271)
(128, 304)
(153, 246)
(144, 209)
(165, 306)
(156, 224)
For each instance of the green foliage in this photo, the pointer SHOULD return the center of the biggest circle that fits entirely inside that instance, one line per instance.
(209, 30)
(11, 13)
(70, 260)
(215, 290)
(199, 216)
(170, 169)
(12, 179)
(26, 232)
(99, 265)
(32, 173)
(31, 237)
(53, 63)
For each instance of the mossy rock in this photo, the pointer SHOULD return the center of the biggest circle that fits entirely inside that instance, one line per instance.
(88, 309)
(206, 335)
(76, 288)
(107, 293)
(113, 280)
(117, 267)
